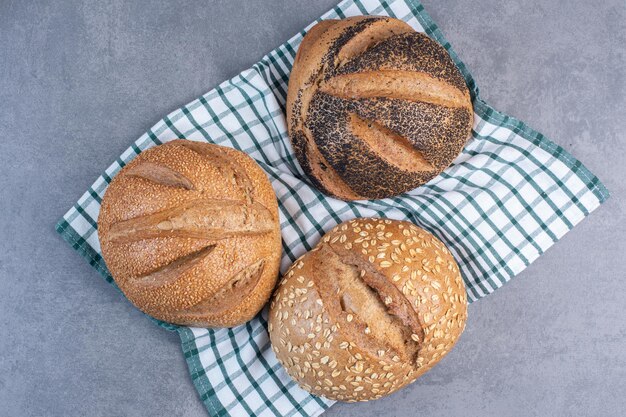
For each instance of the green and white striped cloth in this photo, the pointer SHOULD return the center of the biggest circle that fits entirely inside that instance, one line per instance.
(506, 199)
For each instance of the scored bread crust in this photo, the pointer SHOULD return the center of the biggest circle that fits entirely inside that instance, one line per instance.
(190, 233)
(367, 311)
(364, 86)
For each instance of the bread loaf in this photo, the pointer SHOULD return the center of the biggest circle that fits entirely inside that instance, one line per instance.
(375, 109)
(190, 233)
(372, 307)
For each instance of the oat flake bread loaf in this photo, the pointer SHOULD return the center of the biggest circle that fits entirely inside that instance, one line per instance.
(190, 233)
(375, 109)
(372, 307)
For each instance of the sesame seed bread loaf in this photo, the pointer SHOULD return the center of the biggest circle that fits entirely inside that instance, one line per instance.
(190, 233)
(372, 307)
(375, 109)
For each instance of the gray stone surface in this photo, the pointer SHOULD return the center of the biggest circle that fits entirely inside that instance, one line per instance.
(80, 80)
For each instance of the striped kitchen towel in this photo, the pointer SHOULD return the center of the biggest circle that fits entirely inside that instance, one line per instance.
(506, 199)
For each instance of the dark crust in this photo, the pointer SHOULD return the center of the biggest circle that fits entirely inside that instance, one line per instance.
(327, 61)
(437, 131)
(299, 142)
(408, 52)
(296, 113)
(298, 138)
(361, 169)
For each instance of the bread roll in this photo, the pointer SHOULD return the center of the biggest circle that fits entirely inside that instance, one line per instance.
(190, 233)
(372, 307)
(375, 109)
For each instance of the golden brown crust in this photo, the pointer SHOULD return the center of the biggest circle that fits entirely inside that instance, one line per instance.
(372, 307)
(382, 71)
(190, 233)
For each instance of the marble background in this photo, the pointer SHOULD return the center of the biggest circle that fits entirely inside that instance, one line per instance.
(81, 80)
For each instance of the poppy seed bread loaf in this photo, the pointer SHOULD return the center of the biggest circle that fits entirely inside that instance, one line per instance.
(375, 109)
(372, 307)
(190, 233)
